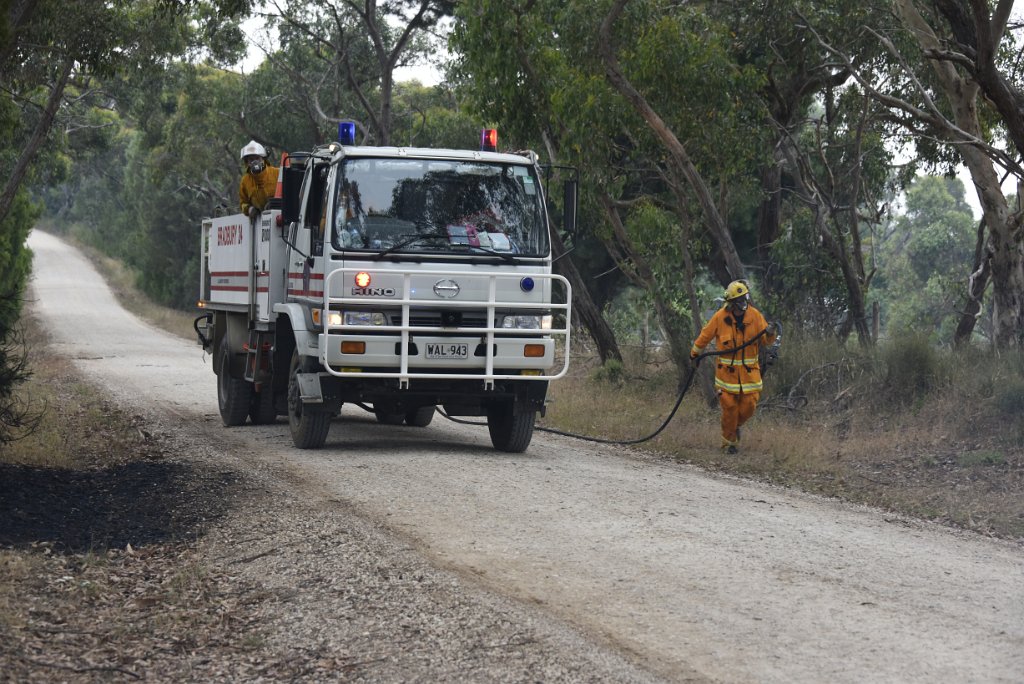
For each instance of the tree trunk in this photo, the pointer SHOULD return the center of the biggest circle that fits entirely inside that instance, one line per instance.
(768, 216)
(676, 327)
(1005, 235)
(976, 285)
(42, 129)
(583, 304)
(1008, 289)
(680, 158)
(1006, 256)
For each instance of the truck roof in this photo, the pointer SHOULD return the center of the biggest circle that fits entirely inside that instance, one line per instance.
(434, 153)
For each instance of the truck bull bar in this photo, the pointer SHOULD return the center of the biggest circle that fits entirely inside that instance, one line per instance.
(488, 334)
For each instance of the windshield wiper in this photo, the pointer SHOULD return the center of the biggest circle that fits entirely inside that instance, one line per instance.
(408, 241)
(505, 256)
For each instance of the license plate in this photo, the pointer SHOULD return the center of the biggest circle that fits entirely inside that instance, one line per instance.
(448, 351)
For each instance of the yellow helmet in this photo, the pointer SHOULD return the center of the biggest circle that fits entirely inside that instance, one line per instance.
(736, 290)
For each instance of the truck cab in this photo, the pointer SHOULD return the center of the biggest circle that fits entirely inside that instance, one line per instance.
(402, 280)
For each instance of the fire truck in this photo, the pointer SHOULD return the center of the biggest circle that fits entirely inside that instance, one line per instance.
(401, 280)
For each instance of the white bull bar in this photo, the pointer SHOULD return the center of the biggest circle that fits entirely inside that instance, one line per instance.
(490, 333)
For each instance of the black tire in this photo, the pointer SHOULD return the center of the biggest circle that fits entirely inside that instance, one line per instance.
(309, 426)
(420, 417)
(262, 410)
(510, 432)
(386, 417)
(233, 395)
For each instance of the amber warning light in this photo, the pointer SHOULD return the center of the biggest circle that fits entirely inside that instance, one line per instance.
(363, 279)
(489, 140)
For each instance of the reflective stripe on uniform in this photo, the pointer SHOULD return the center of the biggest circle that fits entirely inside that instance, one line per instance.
(737, 388)
(751, 362)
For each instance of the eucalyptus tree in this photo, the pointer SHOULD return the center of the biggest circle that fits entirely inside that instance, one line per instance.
(925, 258)
(662, 205)
(357, 46)
(956, 84)
(51, 57)
(512, 72)
(840, 167)
(56, 45)
(802, 90)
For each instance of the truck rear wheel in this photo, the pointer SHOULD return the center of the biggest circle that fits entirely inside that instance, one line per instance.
(510, 431)
(386, 417)
(309, 426)
(233, 394)
(261, 408)
(420, 417)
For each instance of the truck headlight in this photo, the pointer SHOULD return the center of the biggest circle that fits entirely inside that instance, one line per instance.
(363, 318)
(527, 322)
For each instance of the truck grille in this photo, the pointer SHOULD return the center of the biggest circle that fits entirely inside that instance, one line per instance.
(470, 319)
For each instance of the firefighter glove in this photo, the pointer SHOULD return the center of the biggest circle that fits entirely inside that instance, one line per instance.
(253, 212)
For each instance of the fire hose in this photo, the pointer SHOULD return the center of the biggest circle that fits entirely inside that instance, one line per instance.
(773, 352)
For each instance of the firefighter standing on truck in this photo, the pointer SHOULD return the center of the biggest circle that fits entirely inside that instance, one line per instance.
(737, 375)
(259, 181)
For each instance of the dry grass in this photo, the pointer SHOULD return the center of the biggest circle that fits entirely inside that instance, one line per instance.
(953, 452)
(99, 576)
(76, 421)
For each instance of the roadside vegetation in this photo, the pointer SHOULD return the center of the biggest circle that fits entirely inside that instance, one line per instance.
(99, 569)
(929, 433)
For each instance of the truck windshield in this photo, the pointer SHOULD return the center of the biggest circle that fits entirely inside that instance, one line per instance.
(438, 207)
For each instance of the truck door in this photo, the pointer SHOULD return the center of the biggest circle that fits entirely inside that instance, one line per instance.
(271, 266)
(306, 271)
(263, 266)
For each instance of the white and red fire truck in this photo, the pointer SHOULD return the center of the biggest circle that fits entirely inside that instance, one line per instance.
(398, 279)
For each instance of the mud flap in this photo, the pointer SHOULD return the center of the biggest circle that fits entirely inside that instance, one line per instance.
(310, 391)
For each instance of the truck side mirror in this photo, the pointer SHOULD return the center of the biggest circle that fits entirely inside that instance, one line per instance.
(315, 201)
(291, 189)
(570, 204)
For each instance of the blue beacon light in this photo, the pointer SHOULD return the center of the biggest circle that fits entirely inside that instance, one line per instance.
(526, 284)
(347, 132)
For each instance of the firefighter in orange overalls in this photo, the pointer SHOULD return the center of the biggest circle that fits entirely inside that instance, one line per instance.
(737, 375)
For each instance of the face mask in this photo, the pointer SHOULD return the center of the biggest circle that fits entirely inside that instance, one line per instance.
(256, 166)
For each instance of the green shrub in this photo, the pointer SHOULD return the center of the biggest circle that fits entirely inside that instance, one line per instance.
(981, 458)
(813, 367)
(911, 365)
(1009, 398)
(611, 372)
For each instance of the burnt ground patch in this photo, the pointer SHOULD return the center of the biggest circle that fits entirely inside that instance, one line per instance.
(98, 508)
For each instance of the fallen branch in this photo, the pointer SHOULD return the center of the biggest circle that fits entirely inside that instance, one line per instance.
(80, 670)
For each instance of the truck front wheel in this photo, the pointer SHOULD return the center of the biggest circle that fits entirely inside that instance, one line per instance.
(309, 426)
(233, 394)
(510, 431)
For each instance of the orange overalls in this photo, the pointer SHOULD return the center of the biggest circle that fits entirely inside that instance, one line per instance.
(737, 375)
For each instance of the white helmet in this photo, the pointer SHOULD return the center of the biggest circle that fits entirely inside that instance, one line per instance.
(253, 147)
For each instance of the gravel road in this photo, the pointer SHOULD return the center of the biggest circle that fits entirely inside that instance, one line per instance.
(619, 566)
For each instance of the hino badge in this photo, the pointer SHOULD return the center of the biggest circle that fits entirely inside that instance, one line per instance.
(396, 279)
